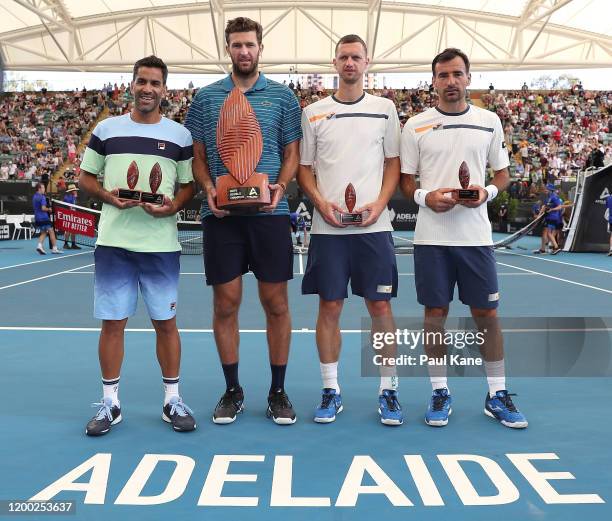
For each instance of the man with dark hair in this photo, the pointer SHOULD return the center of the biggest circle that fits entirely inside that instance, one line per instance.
(354, 139)
(137, 242)
(453, 243)
(241, 24)
(259, 242)
(151, 62)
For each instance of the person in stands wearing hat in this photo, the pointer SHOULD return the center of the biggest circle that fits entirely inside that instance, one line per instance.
(70, 197)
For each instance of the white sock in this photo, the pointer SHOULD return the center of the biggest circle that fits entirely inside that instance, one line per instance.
(437, 375)
(110, 389)
(496, 376)
(388, 382)
(329, 375)
(171, 388)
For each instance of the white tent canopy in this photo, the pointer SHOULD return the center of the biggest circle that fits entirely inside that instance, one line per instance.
(110, 35)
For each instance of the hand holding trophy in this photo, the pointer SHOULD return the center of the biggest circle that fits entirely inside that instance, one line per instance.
(465, 193)
(155, 179)
(350, 217)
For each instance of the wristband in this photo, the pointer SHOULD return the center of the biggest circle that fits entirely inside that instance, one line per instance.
(419, 197)
(492, 190)
(280, 183)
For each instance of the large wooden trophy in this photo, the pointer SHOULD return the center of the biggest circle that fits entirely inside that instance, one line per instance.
(240, 145)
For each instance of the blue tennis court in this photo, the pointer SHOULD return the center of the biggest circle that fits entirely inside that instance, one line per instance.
(355, 468)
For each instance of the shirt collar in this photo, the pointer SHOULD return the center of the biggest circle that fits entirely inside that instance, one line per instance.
(260, 84)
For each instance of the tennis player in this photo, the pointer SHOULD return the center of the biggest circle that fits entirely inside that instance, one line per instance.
(138, 242)
(261, 243)
(453, 243)
(354, 139)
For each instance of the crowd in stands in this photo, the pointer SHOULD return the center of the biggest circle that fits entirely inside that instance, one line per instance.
(550, 135)
(555, 134)
(39, 131)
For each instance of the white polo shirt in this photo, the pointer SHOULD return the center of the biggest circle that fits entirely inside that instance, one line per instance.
(433, 146)
(348, 143)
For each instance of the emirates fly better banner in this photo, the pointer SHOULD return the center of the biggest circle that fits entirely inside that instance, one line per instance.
(74, 221)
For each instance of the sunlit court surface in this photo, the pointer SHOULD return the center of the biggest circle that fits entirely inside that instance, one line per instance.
(354, 468)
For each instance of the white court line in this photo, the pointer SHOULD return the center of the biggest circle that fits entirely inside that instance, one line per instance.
(44, 277)
(56, 257)
(402, 238)
(539, 257)
(557, 278)
(301, 265)
(303, 330)
(249, 273)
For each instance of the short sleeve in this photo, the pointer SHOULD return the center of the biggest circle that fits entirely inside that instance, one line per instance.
(292, 130)
(409, 151)
(308, 144)
(498, 153)
(95, 154)
(391, 142)
(184, 171)
(194, 121)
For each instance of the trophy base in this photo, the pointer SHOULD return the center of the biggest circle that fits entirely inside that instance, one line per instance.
(243, 198)
(130, 195)
(148, 197)
(143, 197)
(467, 194)
(349, 219)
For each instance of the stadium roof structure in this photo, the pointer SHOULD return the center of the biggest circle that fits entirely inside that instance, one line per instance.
(110, 35)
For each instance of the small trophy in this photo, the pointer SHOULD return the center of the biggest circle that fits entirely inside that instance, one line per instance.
(155, 179)
(132, 180)
(240, 145)
(465, 194)
(350, 217)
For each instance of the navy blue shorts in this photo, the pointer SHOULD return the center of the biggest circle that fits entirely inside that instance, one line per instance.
(367, 259)
(554, 225)
(472, 268)
(234, 245)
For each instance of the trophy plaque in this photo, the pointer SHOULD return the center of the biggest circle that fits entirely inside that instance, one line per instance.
(350, 217)
(240, 144)
(465, 194)
(132, 180)
(155, 179)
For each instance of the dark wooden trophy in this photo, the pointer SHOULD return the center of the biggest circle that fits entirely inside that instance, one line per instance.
(240, 145)
(465, 194)
(155, 179)
(350, 217)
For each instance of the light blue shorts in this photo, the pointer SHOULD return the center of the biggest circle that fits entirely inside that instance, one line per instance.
(119, 273)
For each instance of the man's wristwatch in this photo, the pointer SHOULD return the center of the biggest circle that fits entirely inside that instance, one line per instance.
(283, 185)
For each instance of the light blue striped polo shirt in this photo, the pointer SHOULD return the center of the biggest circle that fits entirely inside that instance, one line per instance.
(277, 111)
(120, 144)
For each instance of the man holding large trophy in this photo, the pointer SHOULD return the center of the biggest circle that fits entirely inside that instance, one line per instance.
(142, 156)
(353, 137)
(449, 146)
(246, 131)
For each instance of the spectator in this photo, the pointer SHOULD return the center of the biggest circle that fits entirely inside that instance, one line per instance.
(70, 197)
